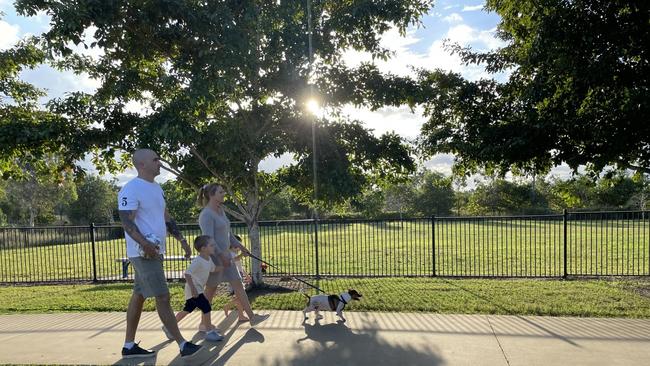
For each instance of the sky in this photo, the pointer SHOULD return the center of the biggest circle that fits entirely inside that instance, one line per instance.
(464, 22)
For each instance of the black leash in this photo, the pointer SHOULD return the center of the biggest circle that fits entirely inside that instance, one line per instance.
(286, 273)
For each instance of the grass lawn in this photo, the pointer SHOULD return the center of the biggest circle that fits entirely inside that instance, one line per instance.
(488, 247)
(584, 298)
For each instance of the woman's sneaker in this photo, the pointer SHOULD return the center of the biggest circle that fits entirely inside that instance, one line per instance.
(258, 318)
(136, 351)
(213, 336)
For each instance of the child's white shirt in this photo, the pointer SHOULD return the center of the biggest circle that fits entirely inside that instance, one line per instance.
(200, 270)
(237, 262)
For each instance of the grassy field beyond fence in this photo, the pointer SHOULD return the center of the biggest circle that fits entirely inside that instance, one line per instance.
(493, 247)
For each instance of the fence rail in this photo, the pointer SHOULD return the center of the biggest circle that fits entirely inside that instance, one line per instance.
(570, 244)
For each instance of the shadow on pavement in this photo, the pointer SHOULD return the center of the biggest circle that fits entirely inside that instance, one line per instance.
(503, 308)
(336, 344)
(210, 354)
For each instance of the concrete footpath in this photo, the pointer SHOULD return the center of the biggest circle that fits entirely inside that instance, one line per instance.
(366, 339)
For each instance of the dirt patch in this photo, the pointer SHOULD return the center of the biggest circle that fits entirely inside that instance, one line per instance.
(643, 289)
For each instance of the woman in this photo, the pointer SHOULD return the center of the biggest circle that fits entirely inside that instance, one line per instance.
(213, 222)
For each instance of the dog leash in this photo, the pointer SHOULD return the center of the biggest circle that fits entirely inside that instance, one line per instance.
(286, 273)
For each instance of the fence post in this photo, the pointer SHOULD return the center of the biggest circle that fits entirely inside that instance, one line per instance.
(92, 241)
(315, 220)
(433, 243)
(564, 221)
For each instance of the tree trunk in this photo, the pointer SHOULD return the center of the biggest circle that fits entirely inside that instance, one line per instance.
(32, 215)
(256, 249)
(251, 217)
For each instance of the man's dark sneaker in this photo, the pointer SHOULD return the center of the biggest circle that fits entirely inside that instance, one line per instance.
(136, 351)
(189, 349)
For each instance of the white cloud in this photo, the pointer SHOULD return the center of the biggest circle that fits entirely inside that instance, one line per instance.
(472, 7)
(389, 119)
(400, 45)
(401, 120)
(9, 34)
(271, 163)
(57, 83)
(437, 57)
(440, 163)
(453, 18)
(564, 172)
(467, 35)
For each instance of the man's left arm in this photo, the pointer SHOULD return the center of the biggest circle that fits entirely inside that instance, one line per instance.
(173, 229)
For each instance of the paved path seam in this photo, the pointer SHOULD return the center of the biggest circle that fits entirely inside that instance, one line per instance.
(497, 339)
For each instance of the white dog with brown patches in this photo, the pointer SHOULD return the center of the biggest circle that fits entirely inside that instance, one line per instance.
(330, 302)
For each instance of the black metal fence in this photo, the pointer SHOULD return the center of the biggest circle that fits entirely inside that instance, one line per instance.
(572, 244)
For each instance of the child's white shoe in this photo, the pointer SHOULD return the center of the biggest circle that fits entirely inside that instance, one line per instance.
(213, 336)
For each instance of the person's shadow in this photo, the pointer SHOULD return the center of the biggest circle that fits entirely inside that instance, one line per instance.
(337, 344)
(210, 354)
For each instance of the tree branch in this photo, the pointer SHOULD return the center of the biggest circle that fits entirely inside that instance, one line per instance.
(180, 176)
(225, 183)
(236, 214)
(205, 163)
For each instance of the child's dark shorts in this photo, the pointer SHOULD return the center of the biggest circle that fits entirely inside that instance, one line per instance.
(198, 302)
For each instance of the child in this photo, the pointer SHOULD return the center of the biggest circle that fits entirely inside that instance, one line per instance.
(246, 279)
(196, 276)
(236, 258)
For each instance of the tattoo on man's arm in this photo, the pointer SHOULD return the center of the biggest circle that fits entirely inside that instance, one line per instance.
(173, 229)
(128, 223)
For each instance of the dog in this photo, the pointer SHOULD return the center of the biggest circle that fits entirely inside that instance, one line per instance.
(330, 302)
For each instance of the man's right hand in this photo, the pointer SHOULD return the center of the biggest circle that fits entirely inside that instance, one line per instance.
(150, 250)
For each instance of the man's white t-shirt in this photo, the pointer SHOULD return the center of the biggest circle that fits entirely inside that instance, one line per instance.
(200, 270)
(148, 202)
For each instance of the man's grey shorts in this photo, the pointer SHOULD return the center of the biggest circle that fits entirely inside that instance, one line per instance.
(149, 278)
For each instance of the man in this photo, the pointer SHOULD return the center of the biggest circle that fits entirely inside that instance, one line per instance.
(143, 213)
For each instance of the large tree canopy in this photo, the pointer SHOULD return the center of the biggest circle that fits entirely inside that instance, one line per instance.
(225, 85)
(577, 90)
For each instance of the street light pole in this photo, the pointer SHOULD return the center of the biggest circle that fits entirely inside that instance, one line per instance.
(311, 95)
(313, 140)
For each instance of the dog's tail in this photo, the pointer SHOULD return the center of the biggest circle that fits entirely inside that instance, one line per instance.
(302, 291)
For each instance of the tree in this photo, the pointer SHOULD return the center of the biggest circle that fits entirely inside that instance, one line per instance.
(96, 201)
(578, 91)
(577, 192)
(3, 216)
(615, 189)
(226, 84)
(640, 200)
(500, 196)
(399, 198)
(284, 206)
(34, 200)
(370, 203)
(434, 195)
(181, 201)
